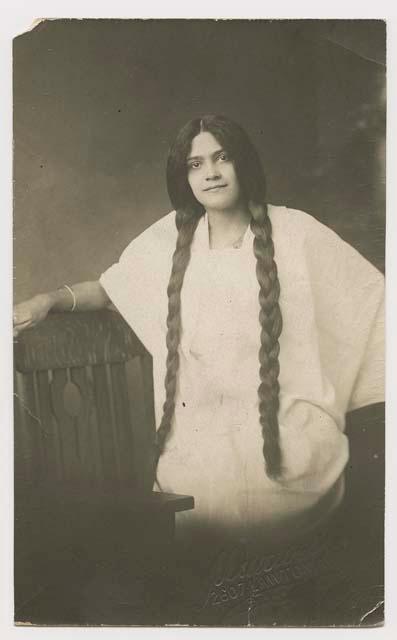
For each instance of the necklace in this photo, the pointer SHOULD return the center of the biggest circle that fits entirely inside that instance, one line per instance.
(237, 243)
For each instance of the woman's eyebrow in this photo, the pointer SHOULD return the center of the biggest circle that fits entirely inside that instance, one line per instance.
(214, 153)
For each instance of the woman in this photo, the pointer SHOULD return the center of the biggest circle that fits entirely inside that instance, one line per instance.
(268, 330)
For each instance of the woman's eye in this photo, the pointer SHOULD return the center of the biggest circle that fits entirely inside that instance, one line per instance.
(223, 156)
(194, 165)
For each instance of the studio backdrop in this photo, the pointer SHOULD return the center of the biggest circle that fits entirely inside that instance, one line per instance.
(97, 104)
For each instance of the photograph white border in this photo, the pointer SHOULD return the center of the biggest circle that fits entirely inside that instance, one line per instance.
(18, 17)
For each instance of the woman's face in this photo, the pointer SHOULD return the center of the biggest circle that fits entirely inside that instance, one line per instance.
(211, 174)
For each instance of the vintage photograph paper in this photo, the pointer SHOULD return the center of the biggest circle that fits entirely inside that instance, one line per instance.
(199, 228)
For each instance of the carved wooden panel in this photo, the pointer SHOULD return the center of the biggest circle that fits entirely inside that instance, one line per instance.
(123, 424)
(87, 441)
(80, 423)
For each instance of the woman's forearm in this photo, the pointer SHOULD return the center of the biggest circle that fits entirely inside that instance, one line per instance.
(85, 296)
(88, 296)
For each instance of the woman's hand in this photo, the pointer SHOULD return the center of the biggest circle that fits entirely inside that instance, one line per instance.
(29, 313)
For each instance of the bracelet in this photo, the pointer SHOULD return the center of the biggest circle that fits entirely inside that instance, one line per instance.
(72, 293)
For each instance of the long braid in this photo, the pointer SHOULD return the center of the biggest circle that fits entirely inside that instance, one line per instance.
(271, 325)
(186, 223)
(249, 172)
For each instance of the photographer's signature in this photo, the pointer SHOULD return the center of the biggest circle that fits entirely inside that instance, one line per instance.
(235, 578)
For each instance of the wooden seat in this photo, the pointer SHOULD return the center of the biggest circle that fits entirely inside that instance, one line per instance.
(84, 433)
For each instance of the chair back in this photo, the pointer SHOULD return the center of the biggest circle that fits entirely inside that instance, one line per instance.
(84, 409)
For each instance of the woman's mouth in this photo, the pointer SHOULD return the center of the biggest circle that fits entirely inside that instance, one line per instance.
(216, 187)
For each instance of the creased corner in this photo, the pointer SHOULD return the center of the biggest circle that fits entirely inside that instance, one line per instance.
(36, 23)
(377, 606)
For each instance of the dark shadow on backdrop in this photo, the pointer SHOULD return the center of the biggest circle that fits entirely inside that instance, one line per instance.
(98, 102)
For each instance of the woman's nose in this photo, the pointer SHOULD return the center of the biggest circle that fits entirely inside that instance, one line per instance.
(212, 172)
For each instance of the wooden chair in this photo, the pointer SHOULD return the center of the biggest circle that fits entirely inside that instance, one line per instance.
(84, 430)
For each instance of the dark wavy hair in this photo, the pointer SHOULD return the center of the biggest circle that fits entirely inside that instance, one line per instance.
(251, 178)
(235, 141)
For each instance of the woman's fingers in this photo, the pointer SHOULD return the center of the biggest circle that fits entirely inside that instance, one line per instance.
(22, 319)
(23, 325)
(21, 316)
(20, 326)
(17, 320)
(29, 313)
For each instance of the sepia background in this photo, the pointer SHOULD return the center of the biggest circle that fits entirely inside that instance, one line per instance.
(98, 102)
